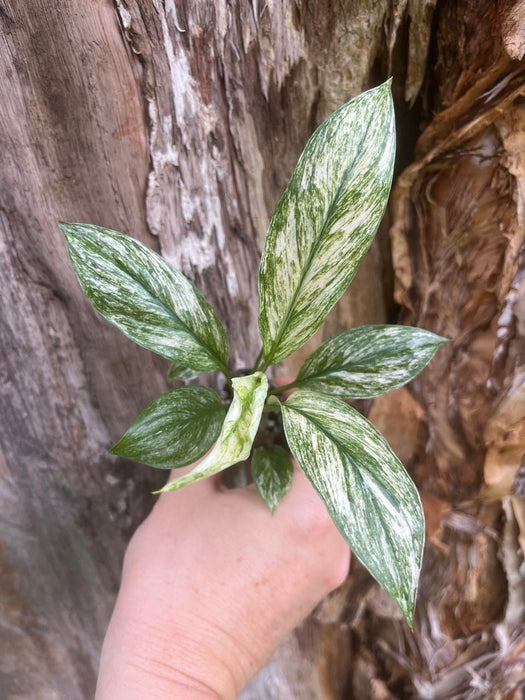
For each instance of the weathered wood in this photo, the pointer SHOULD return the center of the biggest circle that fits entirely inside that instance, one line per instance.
(457, 237)
(73, 147)
(179, 123)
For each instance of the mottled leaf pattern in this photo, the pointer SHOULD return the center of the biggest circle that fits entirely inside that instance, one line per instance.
(272, 405)
(368, 361)
(174, 430)
(177, 372)
(325, 221)
(237, 434)
(272, 472)
(367, 491)
(319, 233)
(146, 298)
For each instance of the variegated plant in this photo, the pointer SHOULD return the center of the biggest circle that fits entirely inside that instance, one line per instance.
(320, 231)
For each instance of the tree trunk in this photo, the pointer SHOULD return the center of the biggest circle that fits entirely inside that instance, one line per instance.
(180, 123)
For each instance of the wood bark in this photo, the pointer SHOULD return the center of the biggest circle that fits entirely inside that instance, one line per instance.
(180, 123)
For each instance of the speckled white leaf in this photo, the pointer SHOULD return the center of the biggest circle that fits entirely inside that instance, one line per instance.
(325, 221)
(174, 430)
(237, 433)
(369, 495)
(272, 472)
(368, 361)
(150, 301)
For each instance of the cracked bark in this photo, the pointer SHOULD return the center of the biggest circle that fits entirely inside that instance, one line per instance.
(180, 124)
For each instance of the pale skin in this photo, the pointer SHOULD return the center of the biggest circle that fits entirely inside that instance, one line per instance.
(211, 584)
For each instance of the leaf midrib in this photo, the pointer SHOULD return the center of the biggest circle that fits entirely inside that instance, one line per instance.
(169, 311)
(340, 446)
(348, 366)
(358, 469)
(311, 254)
(341, 368)
(377, 511)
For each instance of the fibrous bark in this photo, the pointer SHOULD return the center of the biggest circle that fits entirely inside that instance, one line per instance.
(180, 123)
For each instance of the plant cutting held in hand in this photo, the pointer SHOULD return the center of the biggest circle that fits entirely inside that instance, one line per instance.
(320, 231)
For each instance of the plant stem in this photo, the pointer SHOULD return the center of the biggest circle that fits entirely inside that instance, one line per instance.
(279, 389)
(258, 359)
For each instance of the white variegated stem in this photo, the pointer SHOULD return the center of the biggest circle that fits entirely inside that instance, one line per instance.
(368, 361)
(237, 434)
(146, 298)
(325, 221)
(369, 495)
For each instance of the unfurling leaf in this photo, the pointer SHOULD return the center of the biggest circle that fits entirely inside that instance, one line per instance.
(325, 221)
(237, 433)
(369, 495)
(272, 472)
(146, 298)
(175, 429)
(368, 361)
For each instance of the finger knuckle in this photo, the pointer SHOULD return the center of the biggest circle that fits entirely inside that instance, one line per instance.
(336, 570)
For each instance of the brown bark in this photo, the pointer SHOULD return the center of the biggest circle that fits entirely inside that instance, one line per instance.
(179, 123)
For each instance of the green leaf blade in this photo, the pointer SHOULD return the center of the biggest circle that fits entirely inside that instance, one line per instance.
(325, 221)
(174, 430)
(177, 372)
(369, 495)
(237, 433)
(272, 472)
(368, 361)
(146, 298)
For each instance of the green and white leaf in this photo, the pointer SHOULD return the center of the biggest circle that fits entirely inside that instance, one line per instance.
(237, 433)
(272, 405)
(369, 495)
(177, 372)
(174, 430)
(146, 298)
(325, 221)
(272, 472)
(368, 361)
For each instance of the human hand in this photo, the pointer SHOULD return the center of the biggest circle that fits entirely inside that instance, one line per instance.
(211, 584)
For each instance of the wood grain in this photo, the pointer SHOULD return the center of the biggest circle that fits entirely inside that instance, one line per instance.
(179, 124)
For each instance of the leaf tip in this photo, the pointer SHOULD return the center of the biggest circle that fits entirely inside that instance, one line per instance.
(66, 226)
(119, 450)
(410, 620)
(114, 450)
(164, 489)
(405, 598)
(409, 613)
(172, 485)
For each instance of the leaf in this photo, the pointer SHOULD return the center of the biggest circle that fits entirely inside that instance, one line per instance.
(325, 221)
(368, 361)
(177, 372)
(174, 430)
(272, 405)
(237, 433)
(369, 495)
(147, 299)
(272, 472)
